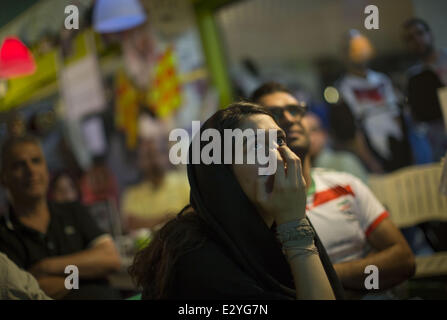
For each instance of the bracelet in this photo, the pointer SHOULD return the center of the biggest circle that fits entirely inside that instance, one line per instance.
(296, 233)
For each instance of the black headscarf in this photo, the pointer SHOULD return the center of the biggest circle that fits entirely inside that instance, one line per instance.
(235, 224)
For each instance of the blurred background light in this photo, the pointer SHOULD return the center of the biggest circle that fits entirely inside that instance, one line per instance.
(117, 15)
(331, 95)
(15, 59)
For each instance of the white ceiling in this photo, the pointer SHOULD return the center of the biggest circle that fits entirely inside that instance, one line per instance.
(269, 30)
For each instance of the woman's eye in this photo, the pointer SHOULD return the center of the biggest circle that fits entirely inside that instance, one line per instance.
(281, 141)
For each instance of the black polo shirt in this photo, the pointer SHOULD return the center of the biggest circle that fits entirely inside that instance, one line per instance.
(71, 229)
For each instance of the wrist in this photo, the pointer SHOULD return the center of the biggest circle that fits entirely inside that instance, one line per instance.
(53, 266)
(301, 251)
(288, 218)
(297, 233)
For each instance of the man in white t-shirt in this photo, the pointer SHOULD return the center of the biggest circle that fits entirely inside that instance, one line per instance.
(353, 226)
(345, 212)
(373, 102)
(370, 96)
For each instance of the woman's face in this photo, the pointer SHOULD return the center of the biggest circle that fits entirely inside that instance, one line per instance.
(64, 190)
(247, 174)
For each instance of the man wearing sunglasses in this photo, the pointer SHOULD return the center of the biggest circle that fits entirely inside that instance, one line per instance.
(288, 113)
(352, 224)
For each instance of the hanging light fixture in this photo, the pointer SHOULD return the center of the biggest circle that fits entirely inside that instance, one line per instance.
(16, 59)
(117, 15)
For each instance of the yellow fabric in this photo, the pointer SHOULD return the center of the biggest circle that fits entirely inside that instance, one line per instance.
(127, 109)
(142, 200)
(164, 95)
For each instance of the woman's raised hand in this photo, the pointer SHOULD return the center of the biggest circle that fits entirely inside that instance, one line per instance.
(287, 200)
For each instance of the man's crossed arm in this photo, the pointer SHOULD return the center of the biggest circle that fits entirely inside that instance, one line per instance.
(99, 260)
(392, 256)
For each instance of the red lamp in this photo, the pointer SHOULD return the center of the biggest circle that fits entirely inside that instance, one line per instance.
(15, 59)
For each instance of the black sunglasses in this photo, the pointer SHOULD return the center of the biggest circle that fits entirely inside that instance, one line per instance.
(294, 109)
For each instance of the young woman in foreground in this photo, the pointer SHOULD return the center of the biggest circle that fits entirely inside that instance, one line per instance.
(244, 236)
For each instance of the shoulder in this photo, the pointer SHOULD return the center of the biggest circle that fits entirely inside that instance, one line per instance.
(344, 81)
(375, 74)
(426, 78)
(6, 265)
(177, 177)
(336, 180)
(415, 70)
(4, 261)
(333, 176)
(379, 77)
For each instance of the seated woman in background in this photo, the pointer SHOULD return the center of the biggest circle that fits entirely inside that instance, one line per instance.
(161, 193)
(63, 188)
(224, 246)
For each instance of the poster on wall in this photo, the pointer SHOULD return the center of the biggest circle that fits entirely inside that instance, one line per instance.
(81, 88)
